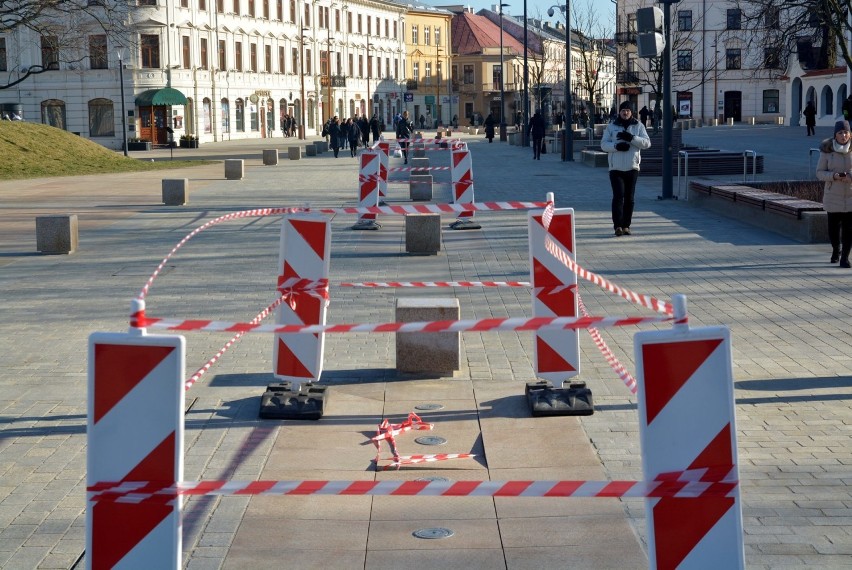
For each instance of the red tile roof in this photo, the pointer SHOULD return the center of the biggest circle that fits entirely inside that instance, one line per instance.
(829, 71)
(472, 33)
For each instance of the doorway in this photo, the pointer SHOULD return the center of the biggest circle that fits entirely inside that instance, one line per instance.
(152, 124)
(734, 105)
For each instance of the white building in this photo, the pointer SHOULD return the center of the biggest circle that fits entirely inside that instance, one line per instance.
(240, 65)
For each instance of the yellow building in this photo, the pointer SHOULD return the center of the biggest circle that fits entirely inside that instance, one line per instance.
(428, 59)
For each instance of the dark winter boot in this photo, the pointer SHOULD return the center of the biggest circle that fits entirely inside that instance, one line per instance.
(835, 254)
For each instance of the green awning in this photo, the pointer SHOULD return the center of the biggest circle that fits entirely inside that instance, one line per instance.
(164, 96)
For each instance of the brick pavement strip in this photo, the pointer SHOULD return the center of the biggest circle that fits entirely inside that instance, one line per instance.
(788, 310)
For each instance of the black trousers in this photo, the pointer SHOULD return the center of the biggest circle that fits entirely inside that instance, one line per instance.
(811, 130)
(537, 147)
(840, 231)
(404, 146)
(623, 188)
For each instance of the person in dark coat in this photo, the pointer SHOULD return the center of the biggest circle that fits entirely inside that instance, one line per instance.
(489, 127)
(536, 131)
(643, 115)
(334, 135)
(354, 136)
(345, 127)
(374, 126)
(404, 129)
(364, 125)
(810, 118)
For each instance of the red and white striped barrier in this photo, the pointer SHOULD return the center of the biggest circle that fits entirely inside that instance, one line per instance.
(368, 188)
(305, 252)
(480, 325)
(134, 433)
(383, 148)
(431, 208)
(417, 168)
(130, 492)
(435, 140)
(557, 352)
(400, 284)
(462, 180)
(686, 422)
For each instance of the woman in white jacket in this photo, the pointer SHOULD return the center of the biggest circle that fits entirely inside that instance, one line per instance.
(623, 138)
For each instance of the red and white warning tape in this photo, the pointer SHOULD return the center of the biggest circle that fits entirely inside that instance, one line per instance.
(139, 320)
(417, 168)
(400, 284)
(613, 362)
(424, 458)
(448, 140)
(136, 492)
(562, 255)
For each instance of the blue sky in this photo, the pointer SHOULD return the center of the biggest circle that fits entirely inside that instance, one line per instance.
(605, 9)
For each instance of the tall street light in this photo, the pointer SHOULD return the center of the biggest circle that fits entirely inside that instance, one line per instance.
(302, 82)
(328, 61)
(503, 136)
(567, 137)
(120, 54)
(525, 136)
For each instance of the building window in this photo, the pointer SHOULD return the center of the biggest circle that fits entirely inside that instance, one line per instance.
(50, 52)
(183, 3)
(427, 36)
(226, 118)
(149, 45)
(184, 42)
(237, 7)
(205, 62)
(468, 75)
(307, 20)
(202, 5)
(370, 26)
(294, 56)
(437, 36)
(351, 65)
(394, 30)
(387, 69)
(772, 58)
(337, 20)
(253, 57)
(266, 9)
(223, 56)
(349, 22)
(415, 71)
(101, 118)
(733, 59)
(428, 74)
(771, 101)
(684, 60)
(267, 59)
(324, 63)
(438, 71)
(220, 6)
(387, 28)
(53, 113)
(279, 10)
(735, 19)
(308, 66)
(293, 11)
(360, 66)
(253, 117)
(414, 34)
(3, 64)
(238, 56)
(239, 112)
(281, 59)
(98, 52)
(684, 20)
(496, 74)
(360, 30)
(206, 115)
(772, 17)
(251, 12)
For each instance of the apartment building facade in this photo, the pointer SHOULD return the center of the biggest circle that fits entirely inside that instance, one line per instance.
(428, 87)
(215, 69)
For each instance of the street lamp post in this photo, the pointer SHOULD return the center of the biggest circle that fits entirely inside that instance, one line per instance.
(526, 83)
(302, 82)
(503, 136)
(568, 132)
(328, 62)
(120, 54)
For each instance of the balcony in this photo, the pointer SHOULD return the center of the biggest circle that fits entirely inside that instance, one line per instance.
(627, 77)
(624, 38)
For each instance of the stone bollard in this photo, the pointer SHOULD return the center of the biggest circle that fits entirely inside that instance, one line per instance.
(270, 157)
(319, 146)
(423, 234)
(234, 168)
(427, 351)
(420, 187)
(175, 191)
(419, 162)
(419, 150)
(56, 234)
(294, 152)
(310, 150)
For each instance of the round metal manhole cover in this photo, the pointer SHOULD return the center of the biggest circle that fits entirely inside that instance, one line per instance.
(434, 479)
(429, 407)
(432, 533)
(430, 440)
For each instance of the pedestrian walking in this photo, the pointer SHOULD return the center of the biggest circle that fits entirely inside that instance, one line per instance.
(623, 139)
(835, 169)
(364, 125)
(489, 127)
(810, 118)
(643, 115)
(354, 137)
(334, 135)
(345, 125)
(374, 127)
(536, 132)
(404, 128)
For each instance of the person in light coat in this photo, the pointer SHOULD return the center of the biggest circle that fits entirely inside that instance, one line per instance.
(835, 169)
(623, 140)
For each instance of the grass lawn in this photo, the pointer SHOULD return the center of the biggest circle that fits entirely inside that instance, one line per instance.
(32, 150)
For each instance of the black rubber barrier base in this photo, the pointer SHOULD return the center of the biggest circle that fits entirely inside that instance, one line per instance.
(281, 402)
(465, 225)
(545, 400)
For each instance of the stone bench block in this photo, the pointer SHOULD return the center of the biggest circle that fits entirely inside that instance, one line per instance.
(423, 234)
(320, 146)
(270, 157)
(419, 162)
(419, 150)
(420, 187)
(310, 150)
(427, 352)
(234, 168)
(294, 152)
(56, 234)
(175, 191)
(596, 158)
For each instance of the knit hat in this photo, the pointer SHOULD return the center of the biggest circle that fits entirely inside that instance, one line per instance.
(841, 126)
(625, 105)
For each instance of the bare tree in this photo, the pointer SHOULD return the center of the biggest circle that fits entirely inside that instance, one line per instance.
(61, 31)
(588, 33)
